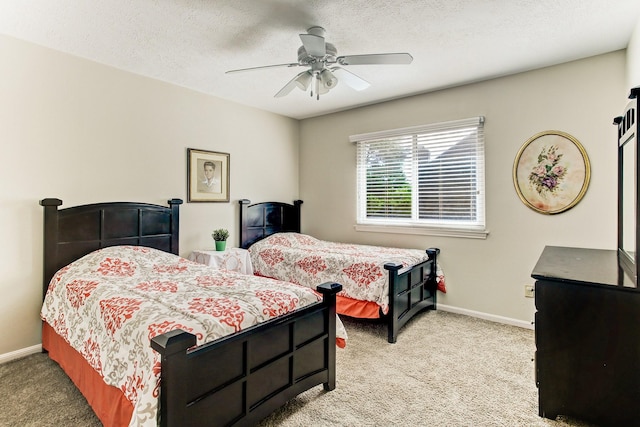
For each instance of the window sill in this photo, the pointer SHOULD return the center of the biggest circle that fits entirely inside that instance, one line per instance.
(426, 231)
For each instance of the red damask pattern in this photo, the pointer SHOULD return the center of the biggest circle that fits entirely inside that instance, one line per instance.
(79, 290)
(133, 384)
(226, 309)
(91, 352)
(312, 264)
(272, 256)
(363, 273)
(276, 303)
(60, 325)
(115, 311)
(116, 267)
(281, 241)
(158, 286)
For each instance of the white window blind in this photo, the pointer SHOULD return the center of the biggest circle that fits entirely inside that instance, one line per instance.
(423, 176)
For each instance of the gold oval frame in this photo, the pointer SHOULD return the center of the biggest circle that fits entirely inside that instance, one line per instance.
(556, 190)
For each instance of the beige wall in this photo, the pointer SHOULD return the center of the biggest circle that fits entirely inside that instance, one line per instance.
(84, 133)
(484, 276)
(633, 58)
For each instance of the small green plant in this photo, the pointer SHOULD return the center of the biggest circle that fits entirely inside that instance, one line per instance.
(220, 234)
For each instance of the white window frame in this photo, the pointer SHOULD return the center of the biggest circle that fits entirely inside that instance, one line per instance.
(453, 228)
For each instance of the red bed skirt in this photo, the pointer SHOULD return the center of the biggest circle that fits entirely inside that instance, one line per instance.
(356, 308)
(108, 402)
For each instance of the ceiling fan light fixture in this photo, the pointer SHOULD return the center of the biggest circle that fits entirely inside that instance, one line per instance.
(322, 88)
(327, 79)
(303, 80)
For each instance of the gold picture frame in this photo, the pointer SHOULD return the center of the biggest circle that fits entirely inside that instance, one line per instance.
(207, 176)
(551, 172)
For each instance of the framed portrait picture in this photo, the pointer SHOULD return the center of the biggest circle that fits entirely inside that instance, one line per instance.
(551, 172)
(207, 176)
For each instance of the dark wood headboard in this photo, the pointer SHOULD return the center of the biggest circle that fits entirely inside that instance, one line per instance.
(73, 232)
(261, 220)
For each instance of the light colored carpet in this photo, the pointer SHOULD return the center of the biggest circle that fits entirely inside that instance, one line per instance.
(445, 370)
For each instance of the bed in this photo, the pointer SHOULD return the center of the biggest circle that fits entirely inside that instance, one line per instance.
(271, 233)
(264, 365)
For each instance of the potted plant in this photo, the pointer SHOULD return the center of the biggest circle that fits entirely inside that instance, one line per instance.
(220, 236)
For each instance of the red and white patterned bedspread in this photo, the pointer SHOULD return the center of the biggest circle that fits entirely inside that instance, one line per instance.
(110, 303)
(303, 259)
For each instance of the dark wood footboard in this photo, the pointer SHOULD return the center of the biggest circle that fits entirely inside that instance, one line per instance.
(411, 290)
(242, 378)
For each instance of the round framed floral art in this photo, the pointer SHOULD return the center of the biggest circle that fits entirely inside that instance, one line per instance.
(551, 172)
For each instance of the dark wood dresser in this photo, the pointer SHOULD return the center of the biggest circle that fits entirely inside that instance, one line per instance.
(587, 330)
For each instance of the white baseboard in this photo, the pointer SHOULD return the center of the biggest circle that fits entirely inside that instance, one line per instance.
(7, 357)
(486, 316)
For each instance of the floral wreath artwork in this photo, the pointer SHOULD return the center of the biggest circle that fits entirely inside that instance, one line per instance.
(551, 172)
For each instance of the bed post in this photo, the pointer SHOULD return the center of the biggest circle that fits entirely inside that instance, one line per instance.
(329, 291)
(297, 209)
(243, 222)
(394, 324)
(432, 281)
(172, 347)
(174, 204)
(50, 243)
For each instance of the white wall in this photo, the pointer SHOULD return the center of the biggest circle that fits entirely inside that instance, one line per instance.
(85, 133)
(484, 276)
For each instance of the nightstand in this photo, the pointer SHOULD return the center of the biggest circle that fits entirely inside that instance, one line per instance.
(233, 259)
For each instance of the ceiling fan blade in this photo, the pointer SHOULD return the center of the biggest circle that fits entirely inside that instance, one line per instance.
(313, 44)
(241, 70)
(286, 90)
(375, 58)
(350, 79)
(293, 83)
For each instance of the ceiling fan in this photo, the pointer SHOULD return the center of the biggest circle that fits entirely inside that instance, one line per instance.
(325, 67)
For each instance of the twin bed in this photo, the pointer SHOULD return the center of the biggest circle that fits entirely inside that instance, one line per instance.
(151, 338)
(271, 233)
(208, 347)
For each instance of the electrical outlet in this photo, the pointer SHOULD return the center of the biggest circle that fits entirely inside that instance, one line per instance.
(528, 291)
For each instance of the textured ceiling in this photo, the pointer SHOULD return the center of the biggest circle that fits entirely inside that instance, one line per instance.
(192, 43)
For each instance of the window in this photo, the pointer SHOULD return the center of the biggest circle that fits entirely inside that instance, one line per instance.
(427, 179)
